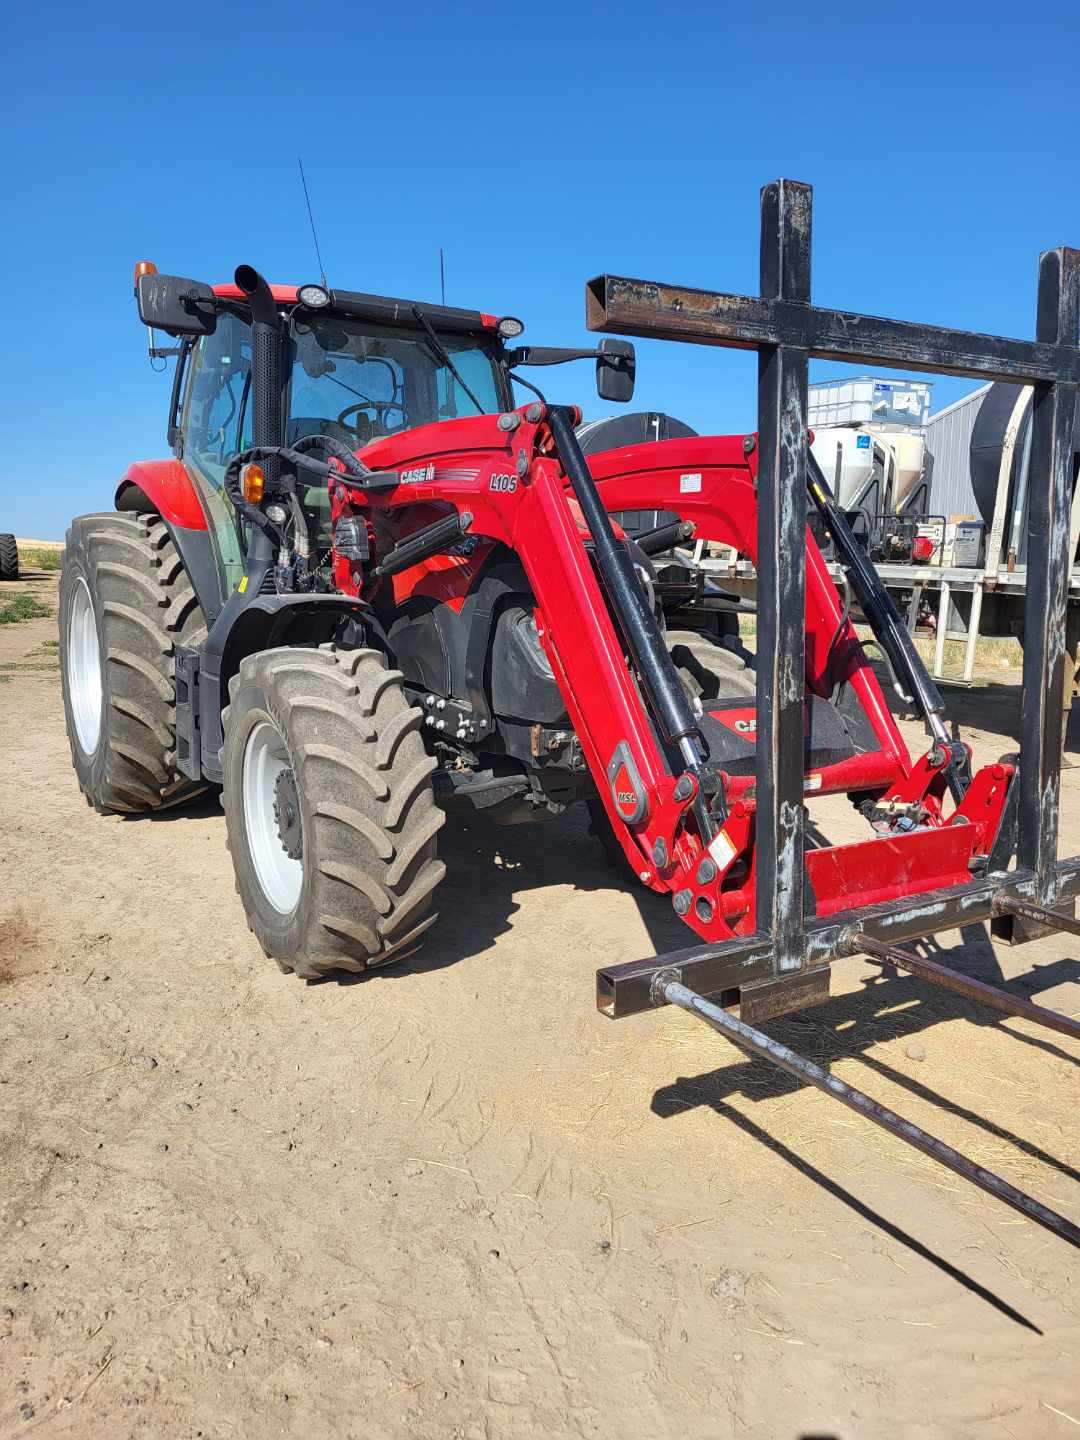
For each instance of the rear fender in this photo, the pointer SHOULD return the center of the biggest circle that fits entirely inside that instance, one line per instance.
(164, 487)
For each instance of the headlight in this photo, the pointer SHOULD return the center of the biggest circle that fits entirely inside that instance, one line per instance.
(313, 296)
(510, 327)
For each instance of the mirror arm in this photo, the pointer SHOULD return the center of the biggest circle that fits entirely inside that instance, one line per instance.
(543, 355)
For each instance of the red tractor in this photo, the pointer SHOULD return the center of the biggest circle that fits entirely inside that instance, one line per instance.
(368, 589)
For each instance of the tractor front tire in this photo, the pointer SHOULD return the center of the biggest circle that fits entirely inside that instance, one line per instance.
(9, 558)
(329, 807)
(125, 602)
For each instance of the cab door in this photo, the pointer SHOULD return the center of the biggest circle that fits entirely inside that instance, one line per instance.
(215, 425)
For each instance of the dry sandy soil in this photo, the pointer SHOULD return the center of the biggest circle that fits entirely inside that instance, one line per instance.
(453, 1201)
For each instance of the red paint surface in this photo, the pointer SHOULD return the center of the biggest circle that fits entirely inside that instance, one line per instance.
(283, 294)
(169, 488)
(471, 464)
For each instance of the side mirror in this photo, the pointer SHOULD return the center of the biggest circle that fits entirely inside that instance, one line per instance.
(175, 305)
(616, 368)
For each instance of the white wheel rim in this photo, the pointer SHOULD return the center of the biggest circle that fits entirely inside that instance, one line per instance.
(85, 689)
(280, 877)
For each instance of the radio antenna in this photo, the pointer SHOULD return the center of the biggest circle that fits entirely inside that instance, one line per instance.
(311, 219)
(442, 274)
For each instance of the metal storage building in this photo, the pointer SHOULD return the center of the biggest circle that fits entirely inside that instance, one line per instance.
(948, 438)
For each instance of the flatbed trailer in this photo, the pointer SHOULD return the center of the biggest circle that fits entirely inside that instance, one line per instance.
(969, 603)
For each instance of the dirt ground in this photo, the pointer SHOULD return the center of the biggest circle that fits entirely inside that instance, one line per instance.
(451, 1200)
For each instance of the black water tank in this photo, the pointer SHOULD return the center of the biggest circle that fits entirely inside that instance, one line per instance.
(987, 444)
(633, 429)
(640, 425)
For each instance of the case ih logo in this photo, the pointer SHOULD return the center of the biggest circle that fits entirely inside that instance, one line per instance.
(743, 722)
(418, 475)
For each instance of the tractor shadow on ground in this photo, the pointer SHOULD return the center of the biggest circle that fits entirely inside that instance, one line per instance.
(890, 1006)
(204, 806)
(730, 1114)
(489, 866)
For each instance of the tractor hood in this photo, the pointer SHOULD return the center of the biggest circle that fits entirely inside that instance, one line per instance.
(476, 434)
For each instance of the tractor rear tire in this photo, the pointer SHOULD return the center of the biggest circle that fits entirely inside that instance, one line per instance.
(710, 670)
(330, 810)
(125, 602)
(9, 558)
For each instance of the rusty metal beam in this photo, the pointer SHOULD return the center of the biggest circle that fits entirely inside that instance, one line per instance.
(625, 989)
(965, 985)
(755, 1042)
(1050, 920)
(619, 305)
(1049, 504)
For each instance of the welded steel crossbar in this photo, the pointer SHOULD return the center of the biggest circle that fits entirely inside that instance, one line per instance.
(787, 331)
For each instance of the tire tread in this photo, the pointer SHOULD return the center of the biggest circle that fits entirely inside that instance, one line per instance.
(146, 606)
(370, 819)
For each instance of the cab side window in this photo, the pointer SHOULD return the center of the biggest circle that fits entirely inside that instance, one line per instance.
(218, 404)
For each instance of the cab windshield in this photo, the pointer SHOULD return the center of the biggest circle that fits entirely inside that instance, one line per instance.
(356, 382)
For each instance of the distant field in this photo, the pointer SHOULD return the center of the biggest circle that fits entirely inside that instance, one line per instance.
(39, 554)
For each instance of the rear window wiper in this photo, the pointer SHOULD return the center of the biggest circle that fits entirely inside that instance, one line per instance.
(442, 356)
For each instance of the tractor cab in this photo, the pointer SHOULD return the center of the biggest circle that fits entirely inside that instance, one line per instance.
(352, 367)
(347, 366)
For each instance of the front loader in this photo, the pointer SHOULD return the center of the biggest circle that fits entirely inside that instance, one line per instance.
(369, 589)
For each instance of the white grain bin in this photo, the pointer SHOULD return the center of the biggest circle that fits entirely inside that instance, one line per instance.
(846, 457)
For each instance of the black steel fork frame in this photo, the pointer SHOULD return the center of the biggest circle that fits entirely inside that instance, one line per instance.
(787, 331)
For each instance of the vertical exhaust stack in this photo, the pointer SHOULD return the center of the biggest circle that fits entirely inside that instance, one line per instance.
(266, 360)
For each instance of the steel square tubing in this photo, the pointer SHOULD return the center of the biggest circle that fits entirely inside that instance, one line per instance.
(622, 306)
(623, 990)
(1049, 506)
(781, 565)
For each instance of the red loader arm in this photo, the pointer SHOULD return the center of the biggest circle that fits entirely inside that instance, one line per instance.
(506, 476)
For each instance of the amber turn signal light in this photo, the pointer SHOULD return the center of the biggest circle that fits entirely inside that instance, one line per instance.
(252, 484)
(143, 267)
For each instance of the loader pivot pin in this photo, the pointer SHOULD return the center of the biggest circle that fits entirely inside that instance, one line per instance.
(965, 985)
(754, 1042)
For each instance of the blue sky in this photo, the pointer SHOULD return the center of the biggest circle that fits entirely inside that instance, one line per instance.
(538, 146)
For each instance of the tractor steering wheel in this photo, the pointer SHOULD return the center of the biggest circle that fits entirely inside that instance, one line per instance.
(382, 409)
